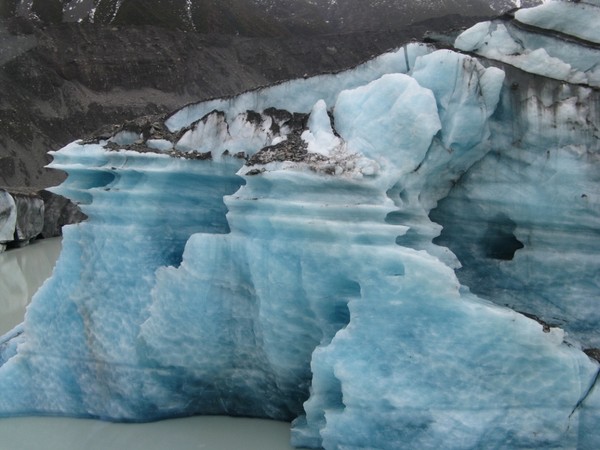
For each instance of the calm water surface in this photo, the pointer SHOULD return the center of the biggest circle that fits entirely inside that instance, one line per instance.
(22, 272)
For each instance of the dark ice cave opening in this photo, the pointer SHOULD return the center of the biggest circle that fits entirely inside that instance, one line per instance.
(499, 240)
(335, 312)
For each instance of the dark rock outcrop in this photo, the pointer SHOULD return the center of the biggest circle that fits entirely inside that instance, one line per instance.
(58, 211)
(30, 216)
(274, 18)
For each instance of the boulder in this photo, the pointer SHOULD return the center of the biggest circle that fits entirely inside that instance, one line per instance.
(58, 211)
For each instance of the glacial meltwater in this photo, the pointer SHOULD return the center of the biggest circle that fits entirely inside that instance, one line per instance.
(22, 272)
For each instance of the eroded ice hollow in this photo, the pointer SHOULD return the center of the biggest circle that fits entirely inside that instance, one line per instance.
(273, 255)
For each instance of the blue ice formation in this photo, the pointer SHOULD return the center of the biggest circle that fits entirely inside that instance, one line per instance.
(274, 255)
(556, 39)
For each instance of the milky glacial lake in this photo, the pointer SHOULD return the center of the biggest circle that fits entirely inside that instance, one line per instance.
(22, 272)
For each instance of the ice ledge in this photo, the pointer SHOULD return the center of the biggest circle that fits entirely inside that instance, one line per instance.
(579, 19)
(543, 45)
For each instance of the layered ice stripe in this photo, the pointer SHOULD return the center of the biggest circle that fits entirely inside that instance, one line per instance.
(82, 327)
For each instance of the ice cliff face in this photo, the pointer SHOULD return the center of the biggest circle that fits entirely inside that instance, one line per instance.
(274, 255)
(552, 126)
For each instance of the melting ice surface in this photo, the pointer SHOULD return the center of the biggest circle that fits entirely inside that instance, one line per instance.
(294, 271)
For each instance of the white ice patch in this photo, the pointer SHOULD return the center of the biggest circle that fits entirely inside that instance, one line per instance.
(496, 41)
(208, 134)
(8, 218)
(473, 38)
(391, 120)
(577, 19)
(160, 144)
(246, 132)
(319, 136)
(278, 139)
(125, 138)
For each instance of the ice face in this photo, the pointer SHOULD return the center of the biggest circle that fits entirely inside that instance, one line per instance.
(521, 252)
(548, 40)
(8, 218)
(547, 129)
(274, 255)
(320, 137)
(565, 17)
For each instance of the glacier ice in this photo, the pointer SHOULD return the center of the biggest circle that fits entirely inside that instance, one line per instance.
(565, 18)
(8, 218)
(274, 255)
(545, 43)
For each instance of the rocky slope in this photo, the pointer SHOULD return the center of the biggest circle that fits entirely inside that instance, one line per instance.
(61, 80)
(257, 17)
